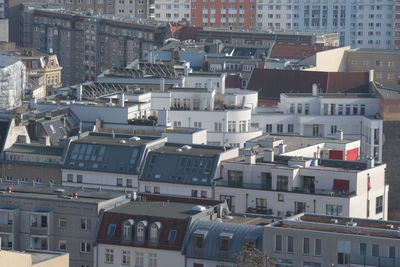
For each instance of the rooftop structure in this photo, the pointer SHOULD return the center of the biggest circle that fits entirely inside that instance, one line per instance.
(33, 258)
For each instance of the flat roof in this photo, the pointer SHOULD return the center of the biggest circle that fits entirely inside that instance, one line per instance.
(249, 219)
(376, 50)
(38, 257)
(36, 149)
(333, 95)
(195, 150)
(115, 139)
(344, 225)
(167, 209)
(63, 193)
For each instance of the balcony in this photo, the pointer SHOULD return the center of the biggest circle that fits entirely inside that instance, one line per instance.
(39, 243)
(39, 223)
(6, 241)
(370, 261)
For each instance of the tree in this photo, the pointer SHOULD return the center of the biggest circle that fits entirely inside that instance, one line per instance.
(250, 256)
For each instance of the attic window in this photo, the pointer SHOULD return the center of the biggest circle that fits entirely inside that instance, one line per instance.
(111, 229)
(172, 236)
(199, 241)
(224, 244)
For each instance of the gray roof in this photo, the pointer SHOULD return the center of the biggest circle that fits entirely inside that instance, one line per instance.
(239, 234)
(192, 166)
(103, 153)
(36, 149)
(7, 61)
(55, 130)
(4, 127)
(173, 210)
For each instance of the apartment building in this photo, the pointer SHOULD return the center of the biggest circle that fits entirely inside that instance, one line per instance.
(109, 161)
(3, 9)
(86, 45)
(95, 7)
(397, 25)
(134, 8)
(13, 77)
(33, 258)
(317, 240)
(172, 11)
(47, 218)
(283, 175)
(229, 14)
(356, 115)
(151, 231)
(366, 24)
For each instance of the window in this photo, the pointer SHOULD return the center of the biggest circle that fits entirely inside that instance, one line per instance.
(379, 204)
(362, 109)
(172, 235)
(152, 260)
(299, 108)
(392, 252)
(282, 183)
(363, 249)
(85, 224)
(231, 126)
(154, 233)
(268, 128)
(235, 178)
(318, 247)
(194, 193)
(355, 109)
(156, 190)
(139, 259)
(79, 178)
(343, 258)
(140, 228)
(281, 197)
(242, 126)
(62, 223)
(126, 257)
(347, 109)
(128, 182)
(291, 109)
(279, 128)
(290, 244)
(306, 246)
(70, 178)
(217, 127)
(199, 241)
(62, 245)
(111, 229)
(375, 250)
(203, 194)
(340, 109)
(119, 181)
(278, 243)
(335, 210)
(224, 244)
(290, 128)
(266, 181)
(109, 256)
(333, 129)
(307, 109)
(299, 207)
(127, 230)
(85, 247)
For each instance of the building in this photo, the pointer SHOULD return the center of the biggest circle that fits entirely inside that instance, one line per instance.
(176, 11)
(184, 170)
(359, 24)
(33, 259)
(44, 218)
(86, 45)
(42, 70)
(217, 243)
(397, 26)
(134, 8)
(151, 231)
(283, 175)
(4, 35)
(236, 15)
(108, 161)
(318, 240)
(13, 77)
(94, 7)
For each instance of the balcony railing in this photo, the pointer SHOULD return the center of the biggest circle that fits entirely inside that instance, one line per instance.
(369, 261)
(299, 190)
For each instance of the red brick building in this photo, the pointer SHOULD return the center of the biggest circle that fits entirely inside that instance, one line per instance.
(237, 14)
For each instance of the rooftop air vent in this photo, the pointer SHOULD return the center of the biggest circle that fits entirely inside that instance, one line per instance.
(198, 208)
(60, 190)
(186, 147)
(122, 141)
(335, 221)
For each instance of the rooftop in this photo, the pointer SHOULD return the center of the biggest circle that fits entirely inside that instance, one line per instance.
(124, 140)
(56, 193)
(36, 149)
(7, 61)
(344, 225)
(375, 50)
(195, 150)
(296, 51)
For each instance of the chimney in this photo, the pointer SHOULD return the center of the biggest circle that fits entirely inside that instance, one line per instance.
(122, 100)
(209, 85)
(371, 76)
(162, 85)
(339, 135)
(314, 89)
(250, 157)
(282, 148)
(79, 92)
(45, 140)
(370, 162)
(186, 69)
(269, 155)
(21, 139)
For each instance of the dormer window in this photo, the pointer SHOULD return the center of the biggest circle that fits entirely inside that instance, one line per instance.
(199, 241)
(224, 240)
(172, 236)
(140, 231)
(199, 237)
(155, 232)
(127, 230)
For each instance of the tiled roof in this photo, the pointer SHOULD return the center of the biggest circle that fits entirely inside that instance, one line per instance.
(184, 32)
(295, 51)
(233, 81)
(271, 83)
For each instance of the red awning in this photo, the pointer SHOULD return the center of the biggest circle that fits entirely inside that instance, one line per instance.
(343, 185)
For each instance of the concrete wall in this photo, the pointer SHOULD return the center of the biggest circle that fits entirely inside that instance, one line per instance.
(4, 30)
(333, 60)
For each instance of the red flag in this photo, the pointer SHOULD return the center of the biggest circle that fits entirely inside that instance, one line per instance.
(369, 183)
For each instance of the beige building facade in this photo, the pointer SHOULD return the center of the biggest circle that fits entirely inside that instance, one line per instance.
(33, 259)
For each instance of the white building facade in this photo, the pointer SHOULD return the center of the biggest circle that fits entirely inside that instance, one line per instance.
(172, 11)
(360, 23)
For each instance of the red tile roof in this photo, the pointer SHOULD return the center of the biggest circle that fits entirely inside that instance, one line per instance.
(233, 81)
(184, 32)
(295, 51)
(271, 83)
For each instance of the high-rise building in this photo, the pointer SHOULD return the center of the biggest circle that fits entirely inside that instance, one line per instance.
(360, 23)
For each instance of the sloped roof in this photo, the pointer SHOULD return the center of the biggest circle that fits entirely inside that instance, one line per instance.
(171, 216)
(55, 130)
(239, 234)
(4, 127)
(296, 51)
(271, 83)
